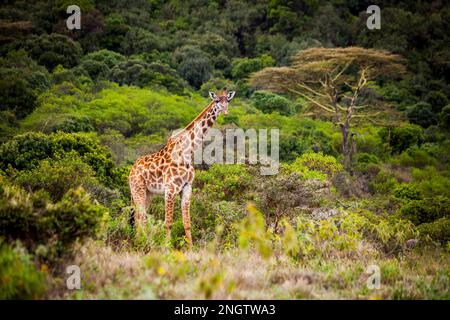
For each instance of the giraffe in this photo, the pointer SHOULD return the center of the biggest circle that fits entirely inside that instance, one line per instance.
(170, 170)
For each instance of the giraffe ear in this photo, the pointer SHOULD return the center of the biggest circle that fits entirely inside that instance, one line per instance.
(212, 95)
(231, 95)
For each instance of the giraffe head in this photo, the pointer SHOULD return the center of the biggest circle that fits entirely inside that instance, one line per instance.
(222, 98)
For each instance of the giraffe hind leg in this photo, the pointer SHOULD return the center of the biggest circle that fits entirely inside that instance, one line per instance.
(139, 201)
(169, 198)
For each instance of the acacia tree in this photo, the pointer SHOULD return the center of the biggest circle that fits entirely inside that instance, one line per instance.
(332, 80)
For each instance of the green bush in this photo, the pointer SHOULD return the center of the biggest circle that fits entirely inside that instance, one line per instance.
(219, 194)
(416, 157)
(279, 195)
(426, 210)
(242, 67)
(21, 213)
(75, 217)
(311, 163)
(109, 58)
(115, 31)
(35, 220)
(194, 65)
(401, 138)
(52, 50)
(225, 182)
(75, 124)
(253, 232)
(383, 182)
(139, 40)
(444, 121)
(269, 102)
(421, 114)
(437, 100)
(24, 152)
(366, 158)
(407, 191)
(431, 182)
(342, 234)
(57, 176)
(16, 95)
(19, 278)
(438, 230)
(139, 73)
(21, 80)
(95, 69)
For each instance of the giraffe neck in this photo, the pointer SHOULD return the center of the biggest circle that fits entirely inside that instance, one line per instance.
(201, 125)
(192, 136)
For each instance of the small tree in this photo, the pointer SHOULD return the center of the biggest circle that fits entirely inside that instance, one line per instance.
(332, 80)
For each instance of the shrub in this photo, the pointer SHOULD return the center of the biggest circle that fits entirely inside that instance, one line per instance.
(109, 58)
(19, 278)
(95, 69)
(437, 100)
(73, 76)
(316, 165)
(416, 157)
(269, 102)
(279, 195)
(75, 217)
(253, 233)
(383, 182)
(52, 50)
(21, 80)
(366, 158)
(16, 95)
(431, 182)
(444, 121)
(57, 176)
(348, 232)
(407, 191)
(426, 210)
(403, 137)
(421, 114)
(35, 220)
(242, 67)
(194, 65)
(75, 124)
(20, 213)
(218, 198)
(140, 40)
(23, 152)
(225, 182)
(115, 31)
(438, 230)
(140, 73)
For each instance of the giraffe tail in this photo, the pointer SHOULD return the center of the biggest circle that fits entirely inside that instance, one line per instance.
(132, 212)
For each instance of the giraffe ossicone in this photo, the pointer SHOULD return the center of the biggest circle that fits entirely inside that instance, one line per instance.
(170, 171)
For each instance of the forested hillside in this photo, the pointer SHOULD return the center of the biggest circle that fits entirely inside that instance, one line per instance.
(364, 122)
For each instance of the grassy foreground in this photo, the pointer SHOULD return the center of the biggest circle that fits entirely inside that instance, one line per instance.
(240, 274)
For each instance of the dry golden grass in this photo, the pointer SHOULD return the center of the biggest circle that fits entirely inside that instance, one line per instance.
(245, 274)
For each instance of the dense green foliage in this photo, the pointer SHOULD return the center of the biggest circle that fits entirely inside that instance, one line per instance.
(45, 227)
(19, 278)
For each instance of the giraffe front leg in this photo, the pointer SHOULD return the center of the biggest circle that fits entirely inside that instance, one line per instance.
(185, 205)
(169, 199)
